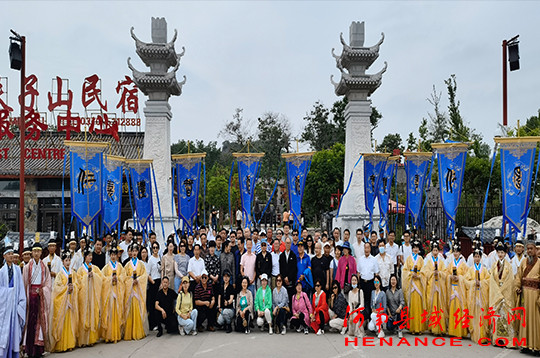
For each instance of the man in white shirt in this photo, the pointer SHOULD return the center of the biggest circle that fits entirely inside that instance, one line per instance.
(358, 244)
(52, 261)
(367, 267)
(392, 249)
(275, 261)
(125, 244)
(386, 265)
(195, 267)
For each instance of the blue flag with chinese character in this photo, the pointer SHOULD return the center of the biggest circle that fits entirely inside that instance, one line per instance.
(112, 190)
(451, 159)
(374, 165)
(297, 165)
(416, 165)
(517, 167)
(248, 174)
(188, 178)
(384, 190)
(86, 161)
(141, 187)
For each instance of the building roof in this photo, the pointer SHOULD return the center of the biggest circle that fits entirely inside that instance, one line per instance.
(46, 154)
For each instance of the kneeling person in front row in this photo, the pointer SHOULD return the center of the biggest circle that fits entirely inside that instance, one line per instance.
(165, 306)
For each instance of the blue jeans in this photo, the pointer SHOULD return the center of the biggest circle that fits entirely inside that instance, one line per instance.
(253, 290)
(177, 283)
(188, 324)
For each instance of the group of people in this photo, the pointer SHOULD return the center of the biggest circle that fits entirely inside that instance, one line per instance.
(121, 287)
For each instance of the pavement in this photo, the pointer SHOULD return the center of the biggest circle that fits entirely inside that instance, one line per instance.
(294, 345)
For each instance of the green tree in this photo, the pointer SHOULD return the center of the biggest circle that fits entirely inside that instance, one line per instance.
(325, 178)
(274, 137)
(412, 143)
(374, 119)
(237, 131)
(217, 191)
(425, 141)
(213, 153)
(391, 142)
(438, 124)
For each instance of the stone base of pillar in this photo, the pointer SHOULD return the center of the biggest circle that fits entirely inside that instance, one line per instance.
(353, 222)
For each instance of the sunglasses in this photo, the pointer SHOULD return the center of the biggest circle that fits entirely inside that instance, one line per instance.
(155, 248)
(335, 288)
(205, 277)
(376, 282)
(278, 280)
(317, 285)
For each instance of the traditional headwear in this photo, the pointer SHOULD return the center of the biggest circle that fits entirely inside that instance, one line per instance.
(433, 244)
(72, 238)
(416, 243)
(27, 248)
(65, 254)
(519, 241)
(500, 246)
(477, 251)
(456, 245)
(8, 246)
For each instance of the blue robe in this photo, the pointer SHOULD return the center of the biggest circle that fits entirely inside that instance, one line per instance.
(12, 311)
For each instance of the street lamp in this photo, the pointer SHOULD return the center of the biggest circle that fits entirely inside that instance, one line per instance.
(17, 53)
(513, 53)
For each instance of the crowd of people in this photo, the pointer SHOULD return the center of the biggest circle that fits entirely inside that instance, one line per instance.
(121, 287)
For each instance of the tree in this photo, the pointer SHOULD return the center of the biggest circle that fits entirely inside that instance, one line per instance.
(237, 131)
(374, 119)
(321, 131)
(458, 131)
(438, 126)
(213, 153)
(425, 142)
(412, 143)
(325, 178)
(217, 192)
(391, 142)
(274, 137)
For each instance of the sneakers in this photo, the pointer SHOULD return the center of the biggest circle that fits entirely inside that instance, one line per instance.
(399, 334)
(299, 329)
(306, 331)
(181, 329)
(246, 331)
(194, 333)
(284, 330)
(381, 334)
(270, 330)
(343, 330)
(319, 332)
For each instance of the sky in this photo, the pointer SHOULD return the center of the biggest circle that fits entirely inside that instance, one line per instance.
(275, 56)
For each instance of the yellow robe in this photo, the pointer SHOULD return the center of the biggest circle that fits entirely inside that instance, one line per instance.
(435, 295)
(530, 295)
(478, 299)
(135, 298)
(64, 313)
(112, 300)
(457, 300)
(501, 298)
(413, 290)
(89, 304)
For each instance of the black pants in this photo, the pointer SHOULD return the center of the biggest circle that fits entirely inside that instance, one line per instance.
(291, 292)
(239, 322)
(281, 318)
(153, 315)
(298, 322)
(206, 313)
(323, 322)
(171, 323)
(367, 287)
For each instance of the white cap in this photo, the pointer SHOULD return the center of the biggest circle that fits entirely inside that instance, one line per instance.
(204, 273)
(264, 277)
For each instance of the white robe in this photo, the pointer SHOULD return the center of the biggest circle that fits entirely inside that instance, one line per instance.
(56, 264)
(12, 312)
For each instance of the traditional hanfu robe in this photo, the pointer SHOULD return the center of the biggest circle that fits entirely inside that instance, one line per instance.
(55, 264)
(501, 299)
(77, 261)
(112, 300)
(457, 298)
(135, 298)
(37, 283)
(516, 262)
(64, 312)
(413, 291)
(435, 302)
(528, 280)
(483, 260)
(89, 298)
(478, 300)
(12, 311)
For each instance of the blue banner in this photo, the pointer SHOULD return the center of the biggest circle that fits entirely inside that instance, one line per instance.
(86, 161)
(188, 178)
(416, 165)
(248, 174)
(297, 165)
(141, 187)
(383, 192)
(374, 165)
(517, 166)
(451, 159)
(112, 190)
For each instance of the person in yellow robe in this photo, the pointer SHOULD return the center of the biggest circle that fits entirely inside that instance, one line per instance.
(434, 280)
(112, 298)
(456, 288)
(413, 288)
(135, 296)
(528, 288)
(64, 310)
(477, 282)
(90, 282)
(501, 298)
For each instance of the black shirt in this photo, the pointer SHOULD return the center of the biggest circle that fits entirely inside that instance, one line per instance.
(98, 260)
(167, 301)
(226, 295)
(263, 264)
(319, 268)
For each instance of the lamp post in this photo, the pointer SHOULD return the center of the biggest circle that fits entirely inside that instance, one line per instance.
(17, 53)
(512, 47)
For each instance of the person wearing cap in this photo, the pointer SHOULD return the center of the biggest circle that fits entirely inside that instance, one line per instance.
(527, 283)
(263, 262)
(205, 303)
(434, 275)
(346, 266)
(112, 298)
(64, 308)
(14, 315)
(413, 288)
(90, 283)
(501, 297)
(301, 310)
(26, 256)
(37, 283)
(477, 284)
(165, 308)
(263, 304)
(303, 264)
(187, 315)
(212, 263)
(52, 261)
(72, 245)
(457, 289)
(226, 302)
(519, 257)
(135, 296)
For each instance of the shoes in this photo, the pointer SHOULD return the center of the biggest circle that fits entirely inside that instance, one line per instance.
(306, 331)
(299, 329)
(154, 329)
(229, 328)
(261, 328)
(381, 334)
(200, 329)
(194, 333)
(181, 329)
(159, 334)
(343, 330)
(284, 330)
(246, 331)
(319, 332)
(270, 330)
(210, 329)
(399, 334)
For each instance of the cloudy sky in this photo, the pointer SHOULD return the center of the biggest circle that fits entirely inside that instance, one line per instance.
(275, 55)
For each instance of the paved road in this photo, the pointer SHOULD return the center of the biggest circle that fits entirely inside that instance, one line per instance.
(296, 345)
